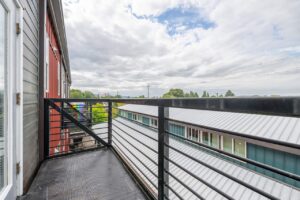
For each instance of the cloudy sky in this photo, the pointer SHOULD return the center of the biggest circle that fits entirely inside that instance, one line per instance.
(251, 47)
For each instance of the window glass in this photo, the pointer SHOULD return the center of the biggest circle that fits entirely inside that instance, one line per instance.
(146, 120)
(227, 144)
(129, 115)
(139, 118)
(2, 96)
(205, 138)
(214, 141)
(195, 135)
(239, 147)
(189, 133)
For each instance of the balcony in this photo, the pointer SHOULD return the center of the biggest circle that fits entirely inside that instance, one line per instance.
(90, 175)
(95, 151)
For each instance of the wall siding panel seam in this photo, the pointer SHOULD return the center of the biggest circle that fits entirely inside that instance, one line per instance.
(31, 51)
(30, 72)
(31, 93)
(32, 83)
(30, 67)
(27, 28)
(29, 113)
(34, 43)
(33, 12)
(30, 103)
(34, 23)
(35, 65)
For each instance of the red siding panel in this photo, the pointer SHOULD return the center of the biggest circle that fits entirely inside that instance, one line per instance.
(59, 137)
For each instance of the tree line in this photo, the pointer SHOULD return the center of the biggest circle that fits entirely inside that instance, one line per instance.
(179, 93)
(172, 93)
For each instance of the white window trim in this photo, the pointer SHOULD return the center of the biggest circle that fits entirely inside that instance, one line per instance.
(47, 65)
(13, 112)
(58, 79)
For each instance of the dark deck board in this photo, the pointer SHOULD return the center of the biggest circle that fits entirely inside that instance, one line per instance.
(85, 176)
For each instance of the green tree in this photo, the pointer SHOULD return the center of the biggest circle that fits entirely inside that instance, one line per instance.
(76, 94)
(99, 113)
(88, 95)
(191, 94)
(229, 93)
(174, 93)
(205, 94)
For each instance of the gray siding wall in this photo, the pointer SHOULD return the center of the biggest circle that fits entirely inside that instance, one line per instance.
(30, 88)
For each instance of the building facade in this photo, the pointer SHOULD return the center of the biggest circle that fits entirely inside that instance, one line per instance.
(266, 153)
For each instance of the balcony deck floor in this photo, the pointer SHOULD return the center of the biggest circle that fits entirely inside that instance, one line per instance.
(89, 176)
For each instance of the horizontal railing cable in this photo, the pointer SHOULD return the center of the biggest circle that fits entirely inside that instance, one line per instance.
(62, 153)
(136, 148)
(261, 165)
(174, 192)
(137, 130)
(261, 192)
(154, 174)
(58, 140)
(75, 143)
(186, 186)
(199, 179)
(155, 151)
(154, 185)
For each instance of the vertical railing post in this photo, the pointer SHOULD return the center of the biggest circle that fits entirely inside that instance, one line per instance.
(91, 113)
(163, 151)
(46, 128)
(62, 116)
(109, 122)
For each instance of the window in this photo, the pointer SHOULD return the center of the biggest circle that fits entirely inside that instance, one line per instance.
(189, 133)
(240, 147)
(195, 135)
(139, 118)
(214, 140)
(154, 122)
(227, 144)
(176, 129)
(146, 120)
(134, 117)
(205, 137)
(3, 159)
(58, 79)
(129, 115)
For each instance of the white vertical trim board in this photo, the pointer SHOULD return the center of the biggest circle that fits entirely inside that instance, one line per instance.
(19, 89)
(9, 191)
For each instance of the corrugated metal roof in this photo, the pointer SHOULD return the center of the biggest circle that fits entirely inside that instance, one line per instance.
(226, 185)
(279, 128)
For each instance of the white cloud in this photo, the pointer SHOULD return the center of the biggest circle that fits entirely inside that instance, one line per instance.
(253, 48)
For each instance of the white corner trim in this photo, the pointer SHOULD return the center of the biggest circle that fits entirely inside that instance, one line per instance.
(19, 89)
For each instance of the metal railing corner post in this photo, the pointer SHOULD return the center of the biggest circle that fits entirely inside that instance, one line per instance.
(46, 129)
(163, 152)
(109, 123)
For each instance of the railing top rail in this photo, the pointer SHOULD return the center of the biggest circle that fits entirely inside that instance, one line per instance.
(282, 106)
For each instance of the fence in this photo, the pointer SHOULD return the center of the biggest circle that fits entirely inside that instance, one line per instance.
(165, 163)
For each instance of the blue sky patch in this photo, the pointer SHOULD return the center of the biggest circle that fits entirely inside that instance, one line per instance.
(179, 19)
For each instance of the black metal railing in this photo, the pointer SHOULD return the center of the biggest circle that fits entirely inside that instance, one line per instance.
(164, 163)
